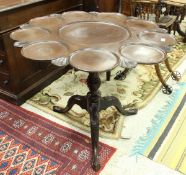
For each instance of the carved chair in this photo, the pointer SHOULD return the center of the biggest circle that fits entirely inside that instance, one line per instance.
(154, 10)
(178, 8)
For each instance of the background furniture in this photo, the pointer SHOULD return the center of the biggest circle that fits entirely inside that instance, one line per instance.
(178, 8)
(101, 5)
(167, 13)
(154, 10)
(126, 7)
(21, 78)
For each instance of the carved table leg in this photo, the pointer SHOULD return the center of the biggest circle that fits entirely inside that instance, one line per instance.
(75, 99)
(178, 29)
(166, 88)
(93, 103)
(113, 101)
(175, 75)
(93, 107)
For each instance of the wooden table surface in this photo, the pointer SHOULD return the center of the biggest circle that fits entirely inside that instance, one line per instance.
(10, 4)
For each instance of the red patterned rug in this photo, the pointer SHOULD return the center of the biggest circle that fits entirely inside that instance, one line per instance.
(31, 144)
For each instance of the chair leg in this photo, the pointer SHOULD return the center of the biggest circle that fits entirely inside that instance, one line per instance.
(166, 88)
(108, 74)
(169, 29)
(175, 75)
(174, 28)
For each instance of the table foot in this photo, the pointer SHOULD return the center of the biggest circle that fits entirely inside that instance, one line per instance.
(96, 166)
(58, 109)
(166, 88)
(75, 99)
(121, 75)
(108, 101)
(174, 74)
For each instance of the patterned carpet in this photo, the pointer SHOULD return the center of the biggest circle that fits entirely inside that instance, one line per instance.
(134, 126)
(165, 140)
(30, 144)
(139, 87)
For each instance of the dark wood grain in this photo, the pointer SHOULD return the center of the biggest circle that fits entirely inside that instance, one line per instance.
(21, 78)
(101, 5)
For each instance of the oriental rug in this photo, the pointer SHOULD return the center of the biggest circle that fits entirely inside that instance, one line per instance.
(139, 87)
(31, 144)
(165, 140)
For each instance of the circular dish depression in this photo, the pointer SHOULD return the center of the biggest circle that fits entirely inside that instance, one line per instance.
(161, 39)
(115, 18)
(74, 16)
(93, 33)
(142, 54)
(30, 34)
(48, 22)
(138, 24)
(45, 50)
(93, 60)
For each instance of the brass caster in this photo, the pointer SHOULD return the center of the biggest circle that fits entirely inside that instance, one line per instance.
(167, 89)
(175, 75)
